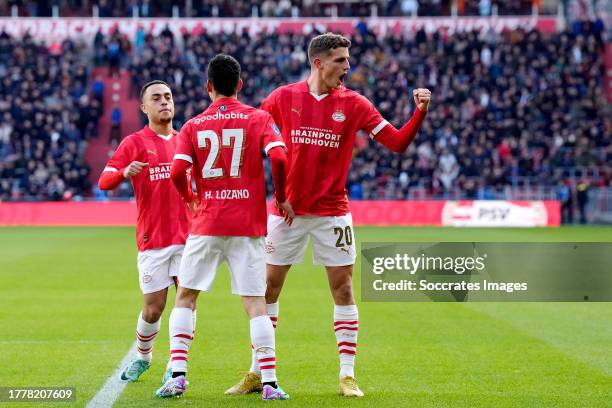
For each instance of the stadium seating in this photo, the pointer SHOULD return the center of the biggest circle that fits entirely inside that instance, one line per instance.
(266, 8)
(516, 109)
(46, 117)
(519, 110)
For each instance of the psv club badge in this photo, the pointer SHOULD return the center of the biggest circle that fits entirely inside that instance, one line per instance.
(338, 116)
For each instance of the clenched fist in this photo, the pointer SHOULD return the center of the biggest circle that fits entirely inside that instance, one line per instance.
(134, 168)
(422, 96)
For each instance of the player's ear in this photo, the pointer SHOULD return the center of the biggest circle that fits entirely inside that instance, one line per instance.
(143, 108)
(239, 87)
(317, 62)
(209, 87)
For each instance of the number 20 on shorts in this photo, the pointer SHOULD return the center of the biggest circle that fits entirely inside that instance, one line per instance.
(345, 234)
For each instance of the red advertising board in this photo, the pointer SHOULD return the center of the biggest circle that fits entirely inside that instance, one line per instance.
(380, 213)
(54, 29)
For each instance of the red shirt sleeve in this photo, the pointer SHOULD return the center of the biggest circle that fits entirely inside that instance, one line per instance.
(278, 159)
(369, 116)
(183, 160)
(384, 132)
(399, 140)
(272, 143)
(112, 175)
(184, 147)
(271, 135)
(270, 105)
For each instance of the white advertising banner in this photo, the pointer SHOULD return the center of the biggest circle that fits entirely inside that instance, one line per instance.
(494, 213)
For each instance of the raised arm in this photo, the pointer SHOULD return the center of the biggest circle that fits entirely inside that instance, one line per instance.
(398, 140)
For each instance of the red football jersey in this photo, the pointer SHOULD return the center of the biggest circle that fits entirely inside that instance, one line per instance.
(224, 144)
(319, 132)
(163, 217)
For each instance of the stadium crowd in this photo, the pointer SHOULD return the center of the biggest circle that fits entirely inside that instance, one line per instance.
(506, 107)
(263, 8)
(515, 106)
(45, 117)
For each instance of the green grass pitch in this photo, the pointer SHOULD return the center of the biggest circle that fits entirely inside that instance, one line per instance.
(69, 300)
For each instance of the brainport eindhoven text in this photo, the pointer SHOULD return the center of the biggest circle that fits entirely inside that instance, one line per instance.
(315, 136)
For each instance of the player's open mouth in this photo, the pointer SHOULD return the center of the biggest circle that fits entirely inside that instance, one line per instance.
(342, 79)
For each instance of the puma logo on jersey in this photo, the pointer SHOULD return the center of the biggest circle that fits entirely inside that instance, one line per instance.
(345, 250)
(151, 152)
(299, 112)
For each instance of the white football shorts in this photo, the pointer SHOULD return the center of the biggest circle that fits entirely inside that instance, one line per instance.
(333, 241)
(244, 256)
(156, 267)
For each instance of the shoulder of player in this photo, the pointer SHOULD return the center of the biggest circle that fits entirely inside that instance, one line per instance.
(278, 92)
(349, 93)
(285, 87)
(256, 113)
(131, 140)
(357, 99)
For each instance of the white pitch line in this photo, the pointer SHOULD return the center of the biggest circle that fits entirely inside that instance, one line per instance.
(113, 387)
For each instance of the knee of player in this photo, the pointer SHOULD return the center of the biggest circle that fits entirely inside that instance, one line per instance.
(272, 293)
(254, 306)
(186, 298)
(343, 292)
(152, 312)
(274, 285)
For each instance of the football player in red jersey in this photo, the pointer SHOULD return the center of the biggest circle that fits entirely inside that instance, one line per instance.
(224, 147)
(319, 119)
(145, 158)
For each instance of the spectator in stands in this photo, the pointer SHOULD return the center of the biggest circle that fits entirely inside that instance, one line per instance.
(6, 129)
(98, 48)
(139, 42)
(564, 195)
(410, 7)
(55, 188)
(582, 197)
(113, 55)
(115, 132)
(268, 8)
(484, 7)
(145, 8)
(97, 91)
(448, 169)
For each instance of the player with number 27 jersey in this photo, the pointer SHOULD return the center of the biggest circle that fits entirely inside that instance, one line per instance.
(224, 144)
